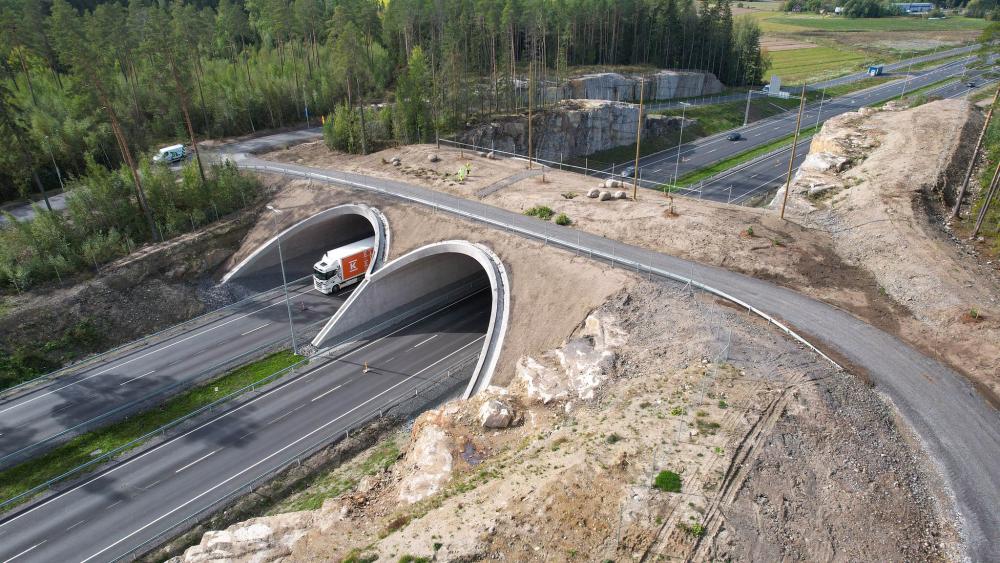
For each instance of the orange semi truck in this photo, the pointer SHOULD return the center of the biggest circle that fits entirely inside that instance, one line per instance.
(343, 266)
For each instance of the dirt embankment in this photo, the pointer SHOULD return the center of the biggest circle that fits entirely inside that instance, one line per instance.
(880, 184)
(776, 456)
(938, 298)
(155, 287)
(550, 289)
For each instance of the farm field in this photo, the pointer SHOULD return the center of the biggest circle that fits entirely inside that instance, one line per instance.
(837, 23)
(811, 47)
(795, 66)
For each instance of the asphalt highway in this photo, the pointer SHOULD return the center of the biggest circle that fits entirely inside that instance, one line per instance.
(663, 167)
(759, 177)
(115, 512)
(955, 425)
(32, 419)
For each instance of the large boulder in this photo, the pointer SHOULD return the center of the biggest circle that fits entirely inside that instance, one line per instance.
(496, 414)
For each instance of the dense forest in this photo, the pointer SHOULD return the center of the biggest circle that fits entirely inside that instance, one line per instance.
(108, 81)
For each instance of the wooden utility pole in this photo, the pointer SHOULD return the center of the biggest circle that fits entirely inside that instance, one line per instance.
(638, 139)
(975, 156)
(531, 70)
(791, 158)
(990, 194)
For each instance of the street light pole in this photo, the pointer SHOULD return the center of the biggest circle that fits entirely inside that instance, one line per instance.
(746, 114)
(680, 141)
(820, 111)
(284, 281)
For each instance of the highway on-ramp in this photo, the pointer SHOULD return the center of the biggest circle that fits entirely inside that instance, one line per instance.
(130, 506)
(137, 377)
(958, 428)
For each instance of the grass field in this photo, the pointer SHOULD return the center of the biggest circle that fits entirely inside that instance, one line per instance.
(696, 176)
(797, 65)
(837, 23)
(79, 450)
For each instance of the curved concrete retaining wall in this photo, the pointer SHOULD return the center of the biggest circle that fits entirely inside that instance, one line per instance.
(304, 242)
(423, 280)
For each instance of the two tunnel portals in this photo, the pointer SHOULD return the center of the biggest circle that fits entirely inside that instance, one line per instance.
(449, 287)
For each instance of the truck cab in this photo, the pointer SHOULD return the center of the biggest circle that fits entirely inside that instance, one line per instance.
(343, 266)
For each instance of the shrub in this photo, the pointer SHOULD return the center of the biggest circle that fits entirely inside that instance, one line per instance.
(563, 220)
(543, 212)
(697, 530)
(668, 481)
(613, 438)
(677, 411)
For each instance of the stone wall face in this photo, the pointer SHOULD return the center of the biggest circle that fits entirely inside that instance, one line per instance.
(572, 128)
(666, 84)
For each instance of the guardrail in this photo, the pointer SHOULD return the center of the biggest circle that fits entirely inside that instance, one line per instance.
(403, 404)
(453, 205)
(152, 399)
(84, 362)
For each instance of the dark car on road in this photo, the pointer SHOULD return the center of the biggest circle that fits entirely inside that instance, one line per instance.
(734, 137)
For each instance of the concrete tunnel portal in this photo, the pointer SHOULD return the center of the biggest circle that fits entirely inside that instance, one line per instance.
(453, 288)
(304, 242)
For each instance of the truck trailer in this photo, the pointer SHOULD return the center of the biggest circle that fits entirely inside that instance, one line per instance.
(343, 266)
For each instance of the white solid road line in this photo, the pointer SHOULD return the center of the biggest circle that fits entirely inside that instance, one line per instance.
(273, 454)
(25, 551)
(197, 460)
(137, 377)
(422, 342)
(224, 415)
(160, 349)
(255, 330)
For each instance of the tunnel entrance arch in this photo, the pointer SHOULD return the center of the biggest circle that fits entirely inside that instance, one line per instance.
(421, 283)
(303, 243)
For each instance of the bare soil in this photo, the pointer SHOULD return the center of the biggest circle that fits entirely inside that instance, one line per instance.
(885, 214)
(550, 289)
(741, 414)
(798, 253)
(155, 287)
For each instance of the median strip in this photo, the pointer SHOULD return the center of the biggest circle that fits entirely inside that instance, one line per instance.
(723, 165)
(65, 458)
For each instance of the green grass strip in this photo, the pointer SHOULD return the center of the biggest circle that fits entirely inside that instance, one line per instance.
(81, 449)
(735, 160)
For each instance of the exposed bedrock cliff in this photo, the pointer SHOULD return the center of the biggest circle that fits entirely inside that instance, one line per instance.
(570, 128)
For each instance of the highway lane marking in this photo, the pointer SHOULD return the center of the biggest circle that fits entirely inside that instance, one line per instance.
(422, 342)
(75, 525)
(116, 503)
(202, 458)
(273, 454)
(286, 414)
(25, 551)
(134, 378)
(138, 457)
(255, 330)
(237, 409)
(325, 393)
(160, 349)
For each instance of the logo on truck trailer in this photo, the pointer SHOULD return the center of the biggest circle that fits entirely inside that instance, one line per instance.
(356, 264)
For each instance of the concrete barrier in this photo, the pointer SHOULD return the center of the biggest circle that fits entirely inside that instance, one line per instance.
(419, 282)
(303, 243)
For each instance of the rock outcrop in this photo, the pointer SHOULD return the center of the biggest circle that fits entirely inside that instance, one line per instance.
(663, 85)
(570, 128)
(581, 365)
